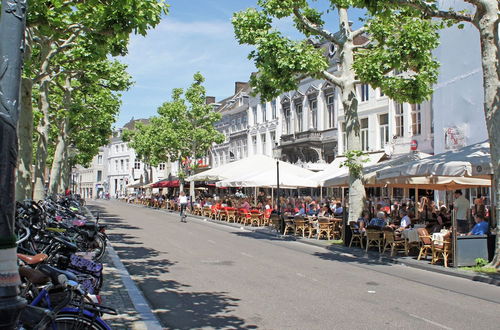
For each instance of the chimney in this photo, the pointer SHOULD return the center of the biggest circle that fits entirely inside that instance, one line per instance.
(210, 100)
(239, 85)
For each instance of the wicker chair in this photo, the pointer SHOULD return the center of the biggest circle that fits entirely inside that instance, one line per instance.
(289, 227)
(442, 250)
(275, 222)
(301, 226)
(255, 218)
(357, 235)
(374, 238)
(206, 211)
(396, 244)
(425, 243)
(325, 228)
(231, 214)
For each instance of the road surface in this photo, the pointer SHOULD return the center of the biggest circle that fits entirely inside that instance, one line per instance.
(204, 275)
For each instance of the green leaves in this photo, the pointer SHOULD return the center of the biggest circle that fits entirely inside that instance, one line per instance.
(401, 40)
(183, 128)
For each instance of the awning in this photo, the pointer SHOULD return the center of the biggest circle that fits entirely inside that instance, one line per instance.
(466, 167)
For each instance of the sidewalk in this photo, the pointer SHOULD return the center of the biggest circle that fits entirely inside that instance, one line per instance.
(120, 292)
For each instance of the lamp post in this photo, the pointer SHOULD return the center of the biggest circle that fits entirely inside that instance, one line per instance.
(277, 156)
(12, 24)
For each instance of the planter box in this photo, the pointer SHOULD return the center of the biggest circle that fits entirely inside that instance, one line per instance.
(471, 247)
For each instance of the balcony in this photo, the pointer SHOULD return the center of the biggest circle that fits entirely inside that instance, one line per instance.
(302, 137)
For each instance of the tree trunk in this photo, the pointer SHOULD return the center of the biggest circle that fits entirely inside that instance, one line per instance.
(43, 137)
(24, 185)
(357, 194)
(64, 182)
(44, 125)
(60, 156)
(487, 23)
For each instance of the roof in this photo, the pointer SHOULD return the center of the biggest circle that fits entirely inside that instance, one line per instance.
(131, 124)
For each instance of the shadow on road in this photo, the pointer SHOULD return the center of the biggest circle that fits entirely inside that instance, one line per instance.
(172, 301)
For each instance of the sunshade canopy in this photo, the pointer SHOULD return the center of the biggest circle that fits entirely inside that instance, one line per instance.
(253, 166)
(291, 176)
(465, 167)
(369, 172)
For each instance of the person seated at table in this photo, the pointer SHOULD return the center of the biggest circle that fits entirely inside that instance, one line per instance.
(405, 221)
(325, 211)
(245, 205)
(313, 209)
(362, 221)
(379, 220)
(338, 209)
(481, 227)
(302, 211)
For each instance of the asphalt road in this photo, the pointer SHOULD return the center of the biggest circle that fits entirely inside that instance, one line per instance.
(204, 275)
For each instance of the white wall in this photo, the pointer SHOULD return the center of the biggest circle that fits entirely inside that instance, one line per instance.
(458, 97)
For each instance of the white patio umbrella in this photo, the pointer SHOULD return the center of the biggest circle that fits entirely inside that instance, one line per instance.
(369, 172)
(291, 176)
(468, 166)
(334, 170)
(237, 168)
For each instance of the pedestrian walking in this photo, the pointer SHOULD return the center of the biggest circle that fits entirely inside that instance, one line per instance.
(183, 201)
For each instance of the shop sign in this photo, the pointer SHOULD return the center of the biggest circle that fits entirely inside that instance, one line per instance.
(454, 138)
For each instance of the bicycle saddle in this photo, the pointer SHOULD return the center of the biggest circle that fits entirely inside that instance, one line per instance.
(33, 275)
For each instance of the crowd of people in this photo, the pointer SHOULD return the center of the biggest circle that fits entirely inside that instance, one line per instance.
(379, 212)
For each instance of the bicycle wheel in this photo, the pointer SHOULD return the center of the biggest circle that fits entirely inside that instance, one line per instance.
(68, 321)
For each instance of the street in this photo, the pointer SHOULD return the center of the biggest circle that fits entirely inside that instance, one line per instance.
(204, 275)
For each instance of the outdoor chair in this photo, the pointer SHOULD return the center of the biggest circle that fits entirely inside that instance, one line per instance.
(289, 227)
(275, 222)
(301, 226)
(357, 235)
(425, 243)
(325, 228)
(222, 215)
(231, 214)
(337, 228)
(373, 238)
(207, 211)
(396, 244)
(266, 217)
(244, 217)
(255, 218)
(442, 250)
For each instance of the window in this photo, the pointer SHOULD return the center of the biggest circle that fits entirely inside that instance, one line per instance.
(245, 149)
(313, 106)
(99, 160)
(254, 143)
(264, 117)
(288, 115)
(161, 167)
(137, 164)
(123, 147)
(116, 164)
(273, 138)
(273, 109)
(384, 130)
(122, 167)
(263, 139)
(300, 119)
(117, 148)
(365, 92)
(330, 109)
(416, 119)
(344, 135)
(254, 113)
(99, 176)
(381, 93)
(399, 117)
(127, 164)
(364, 134)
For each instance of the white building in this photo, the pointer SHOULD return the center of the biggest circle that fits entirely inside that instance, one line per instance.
(458, 100)
(234, 126)
(91, 181)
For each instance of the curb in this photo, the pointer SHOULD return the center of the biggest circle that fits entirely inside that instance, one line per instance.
(371, 256)
(140, 304)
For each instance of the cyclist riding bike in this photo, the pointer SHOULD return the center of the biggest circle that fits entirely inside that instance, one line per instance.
(183, 201)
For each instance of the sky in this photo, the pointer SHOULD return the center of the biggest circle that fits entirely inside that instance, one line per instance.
(196, 35)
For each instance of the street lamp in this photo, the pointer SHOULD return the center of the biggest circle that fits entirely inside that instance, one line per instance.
(277, 156)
